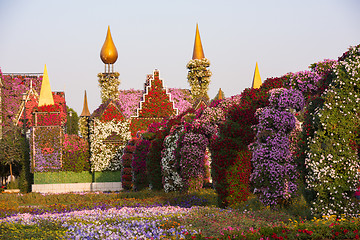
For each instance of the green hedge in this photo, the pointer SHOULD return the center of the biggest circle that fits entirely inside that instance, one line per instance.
(74, 177)
(107, 176)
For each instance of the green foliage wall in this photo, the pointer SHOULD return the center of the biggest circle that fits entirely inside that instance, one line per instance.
(76, 177)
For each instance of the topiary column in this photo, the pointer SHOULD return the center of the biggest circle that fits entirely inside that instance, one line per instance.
(109, 84)
(332, 160)
(199, 77)
(274, 175)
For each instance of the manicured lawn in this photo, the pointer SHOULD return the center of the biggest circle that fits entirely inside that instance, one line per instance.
(155, 215)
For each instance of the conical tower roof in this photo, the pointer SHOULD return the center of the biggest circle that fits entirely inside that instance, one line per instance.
(85, 111)
(46, 97)
(257, 79)
(220, 95)
(108, 53)
(198, 52)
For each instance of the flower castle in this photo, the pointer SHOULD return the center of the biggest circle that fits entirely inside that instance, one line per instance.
(57, 157)
(108, 128)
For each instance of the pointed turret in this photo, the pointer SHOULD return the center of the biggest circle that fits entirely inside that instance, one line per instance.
(85, 111)
(108, 53)
(198, 49)
(257, 79)
(220, 94)
(46, 97)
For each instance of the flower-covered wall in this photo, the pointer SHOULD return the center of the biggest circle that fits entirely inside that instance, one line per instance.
(332, 158)
(46, 139)
(12, 90)
(109, 133)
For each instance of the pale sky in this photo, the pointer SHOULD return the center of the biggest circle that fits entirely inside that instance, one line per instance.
(67, 36)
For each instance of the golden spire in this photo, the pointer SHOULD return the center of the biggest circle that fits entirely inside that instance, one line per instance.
(198, 49)
(220, 95)
(46, 97)
(108, 52)
(85, 111)
(257, 79)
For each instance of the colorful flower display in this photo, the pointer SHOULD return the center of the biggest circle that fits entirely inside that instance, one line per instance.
(274, 175)
(156, 104)
(106, 139)
(123, 223)
(14, 86)
(75, 154)
(126, 162)
(140, 175)
(332, 159)
(172, 180)
(229, 150)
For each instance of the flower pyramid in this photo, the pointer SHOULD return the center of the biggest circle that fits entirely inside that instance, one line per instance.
(156, 104)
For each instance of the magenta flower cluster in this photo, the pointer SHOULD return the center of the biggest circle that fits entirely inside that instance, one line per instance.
(305, 81)
(11, 96)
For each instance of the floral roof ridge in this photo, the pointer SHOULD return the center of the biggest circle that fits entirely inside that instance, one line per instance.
(101, 109)
(48, 108)
(20, 114)
(32, 99)
(200, 102)
(129, 100)
(153, 81)
(13, 88)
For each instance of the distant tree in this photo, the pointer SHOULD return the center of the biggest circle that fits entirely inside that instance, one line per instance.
(11, 147)
(72, 126)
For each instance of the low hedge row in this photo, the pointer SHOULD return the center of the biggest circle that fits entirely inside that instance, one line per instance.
(76, 177)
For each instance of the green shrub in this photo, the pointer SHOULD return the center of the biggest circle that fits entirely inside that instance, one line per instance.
(13, 184)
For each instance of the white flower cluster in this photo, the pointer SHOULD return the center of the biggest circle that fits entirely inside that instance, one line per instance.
(103, 153)
(199, 77)
(172, 179)
(109, 83)
(332, 160)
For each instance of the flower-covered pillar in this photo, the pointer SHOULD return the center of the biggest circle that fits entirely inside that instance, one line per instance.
(109, 80)
(332, 158)
(274, 175)
(199, 75)
(47, 132)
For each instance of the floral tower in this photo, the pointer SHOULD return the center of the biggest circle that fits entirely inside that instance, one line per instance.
(109, 80)
(84, 120)
(199, 75)
(109, 130)
(47, 131)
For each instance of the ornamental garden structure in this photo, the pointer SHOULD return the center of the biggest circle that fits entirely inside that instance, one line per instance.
(287, 136)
